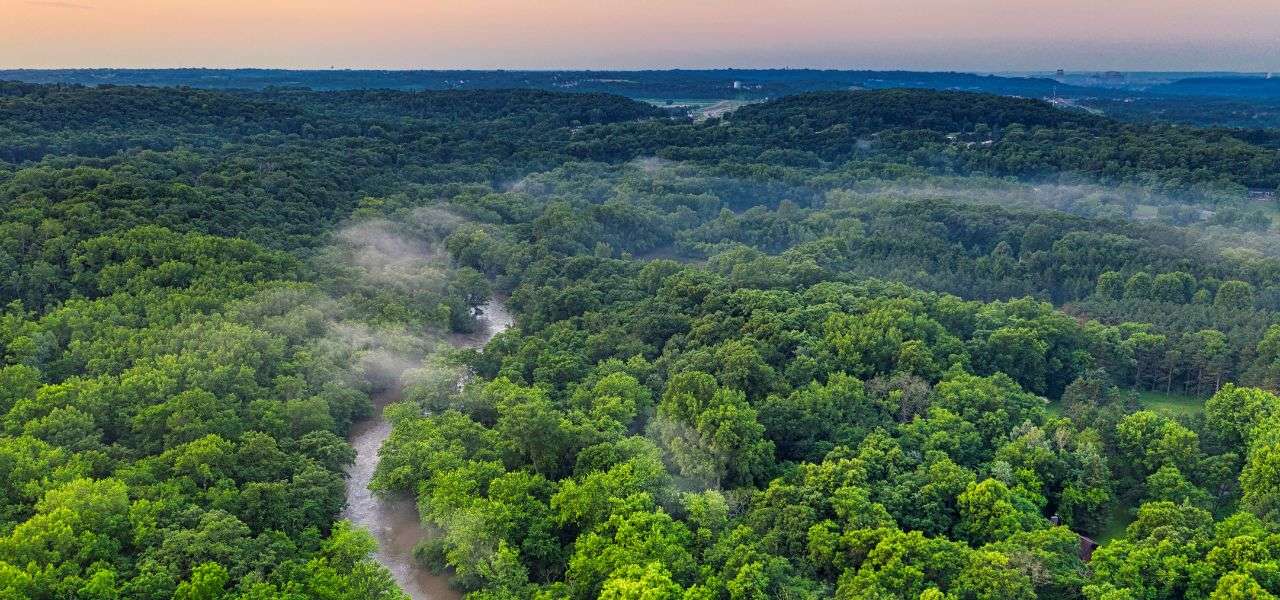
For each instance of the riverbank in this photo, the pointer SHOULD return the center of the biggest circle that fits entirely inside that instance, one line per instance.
(394, 522)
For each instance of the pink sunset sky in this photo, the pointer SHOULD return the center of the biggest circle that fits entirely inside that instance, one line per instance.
(542, 34)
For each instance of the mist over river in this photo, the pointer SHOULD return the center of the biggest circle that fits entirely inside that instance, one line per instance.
(394, 522)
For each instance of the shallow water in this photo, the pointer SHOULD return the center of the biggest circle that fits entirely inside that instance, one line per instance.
(394, 522)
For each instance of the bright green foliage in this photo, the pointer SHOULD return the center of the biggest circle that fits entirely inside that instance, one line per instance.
(651, 582)
(711, 434)
(207, 583)
(1260, 479)
(1168, 484)
(1235, 586)
(1152, 441)
(986, 513)
(633, 538)
(995, 405)
(1234, 412)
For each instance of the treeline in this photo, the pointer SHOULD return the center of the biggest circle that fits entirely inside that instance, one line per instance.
(1251, 115)
(38, 120)
(942, 132)
(954, 133)
(679, 84)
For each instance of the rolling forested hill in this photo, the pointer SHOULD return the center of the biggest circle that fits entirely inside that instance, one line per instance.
(677, 84)
(874, 344)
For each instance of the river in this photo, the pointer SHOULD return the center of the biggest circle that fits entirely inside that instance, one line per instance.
(394, 522)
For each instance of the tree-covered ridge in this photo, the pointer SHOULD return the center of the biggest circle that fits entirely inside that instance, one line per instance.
(942, 132)
(873, 111)
(1234, 102)
(674, 84)
(240, 166)
(530, 108)
(962, 134)
(63, 107)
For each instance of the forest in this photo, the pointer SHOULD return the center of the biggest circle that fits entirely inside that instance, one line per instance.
(897, 343)
(670, 83)
(1246, 102)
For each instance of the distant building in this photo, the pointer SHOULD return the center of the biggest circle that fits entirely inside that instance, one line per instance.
(1087, 546)
(737, 85)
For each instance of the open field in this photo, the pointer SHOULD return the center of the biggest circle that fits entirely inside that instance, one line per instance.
(701, 109)
(1172, 405)
(690, 103)
(719, 109)
(1116, 524)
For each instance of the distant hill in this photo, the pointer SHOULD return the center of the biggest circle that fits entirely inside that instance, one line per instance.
(551, 108)
(1204, 99)
(111, 119)
(656, 85)
(1236, 87)
(878, 110)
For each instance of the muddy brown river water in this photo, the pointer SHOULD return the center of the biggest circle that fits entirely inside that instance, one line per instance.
(394, 522)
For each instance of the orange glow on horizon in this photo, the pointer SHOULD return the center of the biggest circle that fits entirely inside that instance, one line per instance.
(913, 34)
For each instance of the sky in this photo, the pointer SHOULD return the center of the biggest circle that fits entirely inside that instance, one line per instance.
(972, 35)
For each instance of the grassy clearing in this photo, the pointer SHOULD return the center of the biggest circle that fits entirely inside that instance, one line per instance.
(719, 109)
(701, 109)
(1054, 409)
(1116, 524)
(691, 104)
(1171, 405)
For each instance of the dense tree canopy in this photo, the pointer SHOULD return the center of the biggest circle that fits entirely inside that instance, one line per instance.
(888, 344)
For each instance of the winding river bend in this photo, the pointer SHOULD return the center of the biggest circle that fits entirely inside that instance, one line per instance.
(394, 522)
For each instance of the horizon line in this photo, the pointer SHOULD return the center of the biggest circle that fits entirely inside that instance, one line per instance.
(653, 69)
